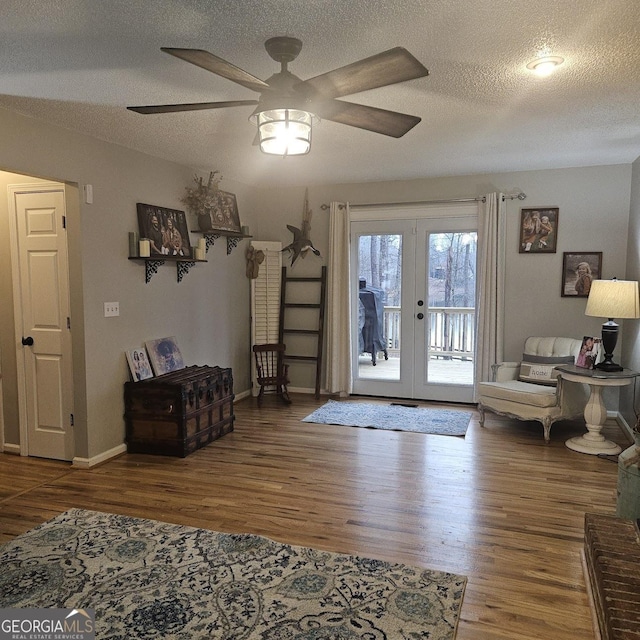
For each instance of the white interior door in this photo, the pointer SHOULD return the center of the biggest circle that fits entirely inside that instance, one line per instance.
(414, 279)
(43, 337)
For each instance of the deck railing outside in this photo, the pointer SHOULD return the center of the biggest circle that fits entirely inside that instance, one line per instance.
(451, 332)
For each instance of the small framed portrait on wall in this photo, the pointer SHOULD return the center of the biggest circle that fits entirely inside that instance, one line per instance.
(579, 269)
(224, 214)
(539, 229)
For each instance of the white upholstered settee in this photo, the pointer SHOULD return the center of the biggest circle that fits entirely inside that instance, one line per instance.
(531, 390)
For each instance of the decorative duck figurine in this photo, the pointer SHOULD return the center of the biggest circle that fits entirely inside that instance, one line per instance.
(301, 241)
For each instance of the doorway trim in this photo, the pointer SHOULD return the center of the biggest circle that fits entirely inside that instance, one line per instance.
(1, 409)
(387, 219)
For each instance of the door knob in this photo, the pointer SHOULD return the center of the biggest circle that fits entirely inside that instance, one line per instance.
(420, 316)
(420, 303)
(28, 341)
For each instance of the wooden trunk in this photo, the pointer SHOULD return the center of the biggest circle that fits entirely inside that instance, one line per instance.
(612, 554)
(179, 412)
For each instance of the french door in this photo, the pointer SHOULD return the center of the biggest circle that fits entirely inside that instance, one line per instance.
(413, 304)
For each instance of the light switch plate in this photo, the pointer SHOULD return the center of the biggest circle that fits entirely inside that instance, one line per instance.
(111, 309)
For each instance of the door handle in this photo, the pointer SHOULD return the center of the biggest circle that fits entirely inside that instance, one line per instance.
(27, 342)
(420, 303)
(420, 316)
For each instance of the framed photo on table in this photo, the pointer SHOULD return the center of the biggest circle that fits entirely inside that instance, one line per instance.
(579, 269)
(539, 230)
(589, 352)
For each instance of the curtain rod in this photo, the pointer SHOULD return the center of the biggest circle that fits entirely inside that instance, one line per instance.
(519, 196)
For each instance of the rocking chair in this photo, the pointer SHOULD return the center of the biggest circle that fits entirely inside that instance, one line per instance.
(271, 372)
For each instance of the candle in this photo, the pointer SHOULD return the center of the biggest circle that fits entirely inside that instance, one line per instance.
(145, 248)
(202, 244)
(133, 244)
(245, 231)
(200, 254)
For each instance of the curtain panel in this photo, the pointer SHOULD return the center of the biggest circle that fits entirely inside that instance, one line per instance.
(490, 285)
(339, 379)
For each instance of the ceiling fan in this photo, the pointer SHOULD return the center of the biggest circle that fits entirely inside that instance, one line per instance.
(290, 105)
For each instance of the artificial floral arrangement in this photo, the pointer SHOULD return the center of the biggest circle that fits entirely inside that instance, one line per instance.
(202, 198)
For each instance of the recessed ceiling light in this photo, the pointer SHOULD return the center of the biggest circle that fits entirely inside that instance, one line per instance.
(546, 65)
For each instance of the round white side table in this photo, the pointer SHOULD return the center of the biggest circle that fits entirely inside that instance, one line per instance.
(595, 413)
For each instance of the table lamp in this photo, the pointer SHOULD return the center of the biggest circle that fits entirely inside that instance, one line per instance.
(612, 299)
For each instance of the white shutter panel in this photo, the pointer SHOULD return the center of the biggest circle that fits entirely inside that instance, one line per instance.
(265, 298)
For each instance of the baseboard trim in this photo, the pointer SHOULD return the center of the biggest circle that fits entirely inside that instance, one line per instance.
(88, 463)
(254, 392)
(624, 425)
(323, 392)
(11, 448)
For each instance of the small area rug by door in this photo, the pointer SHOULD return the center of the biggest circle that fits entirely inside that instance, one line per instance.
(441, 422)
(148, 579)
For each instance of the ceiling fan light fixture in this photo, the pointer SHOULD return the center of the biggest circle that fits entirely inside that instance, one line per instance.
(281, 116)
(285, 132)
(545, 66)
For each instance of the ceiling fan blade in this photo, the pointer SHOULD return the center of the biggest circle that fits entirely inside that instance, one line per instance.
(220, 67)
(388, 67)
(389, 123)
(195, 106)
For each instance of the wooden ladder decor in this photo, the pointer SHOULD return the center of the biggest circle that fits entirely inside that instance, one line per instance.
(317, 331)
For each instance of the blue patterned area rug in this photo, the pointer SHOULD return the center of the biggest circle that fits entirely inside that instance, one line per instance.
(152, 580)
(441, 422)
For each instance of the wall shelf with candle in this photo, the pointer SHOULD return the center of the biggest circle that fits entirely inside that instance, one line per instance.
(233, 237)
(140, 251)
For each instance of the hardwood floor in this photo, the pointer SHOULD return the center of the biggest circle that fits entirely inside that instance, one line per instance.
(498, 506)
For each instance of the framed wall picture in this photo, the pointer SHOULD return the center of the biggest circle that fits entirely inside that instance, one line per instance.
(164, 355)
(578, 271)
(139, 365)
(166, 230)
(224, 214)
(539, 229)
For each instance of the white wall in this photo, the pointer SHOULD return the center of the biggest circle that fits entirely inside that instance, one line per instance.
(594, 214)
(208, 311)
(631, 328)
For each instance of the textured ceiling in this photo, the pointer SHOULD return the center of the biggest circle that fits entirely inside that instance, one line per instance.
(79, 63)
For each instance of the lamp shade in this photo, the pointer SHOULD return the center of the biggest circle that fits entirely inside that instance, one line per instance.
(613, 299)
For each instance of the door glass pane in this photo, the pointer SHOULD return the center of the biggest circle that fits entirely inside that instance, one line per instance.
(451, 307)
(379, 295)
